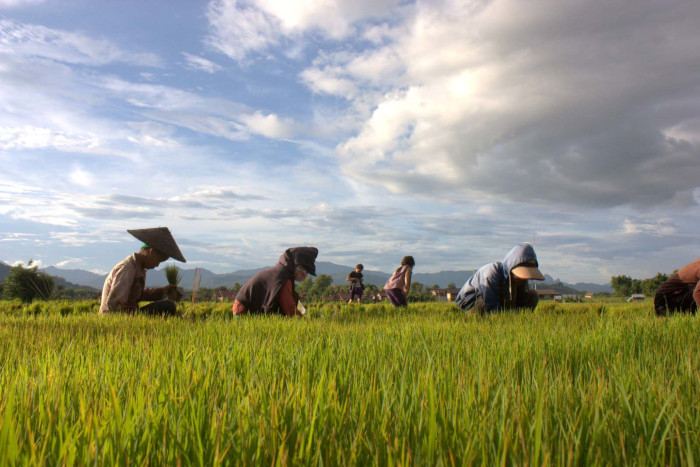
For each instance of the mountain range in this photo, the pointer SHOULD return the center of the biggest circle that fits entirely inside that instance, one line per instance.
(79, 278)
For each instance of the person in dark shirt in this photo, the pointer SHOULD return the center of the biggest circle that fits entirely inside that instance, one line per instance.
(356, 286)
(271, 291)
(681, 292)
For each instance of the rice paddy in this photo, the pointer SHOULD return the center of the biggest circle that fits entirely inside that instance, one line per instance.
(574, 384)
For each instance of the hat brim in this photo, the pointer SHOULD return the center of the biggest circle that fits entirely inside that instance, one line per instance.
(160, 239)
(529, 273)
(310, 269)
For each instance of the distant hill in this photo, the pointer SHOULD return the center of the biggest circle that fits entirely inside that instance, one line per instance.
(57, 279)
(77, 276)
(337, 271)
(558, 287)
(579, 286)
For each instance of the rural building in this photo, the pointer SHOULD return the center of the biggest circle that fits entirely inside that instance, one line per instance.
(636, 297)
(547, 294)
(444, 295)
(588, 295)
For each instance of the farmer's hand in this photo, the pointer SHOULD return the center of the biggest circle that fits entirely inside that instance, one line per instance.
(173, 292)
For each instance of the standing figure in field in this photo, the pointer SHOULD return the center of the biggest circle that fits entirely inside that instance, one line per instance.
(125, 285)
(399, 284)
(272, 289)
(681, 292)
(502, 285)
(356, 285)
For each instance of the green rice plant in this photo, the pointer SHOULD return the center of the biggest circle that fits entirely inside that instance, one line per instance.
(172, 274)
(370, 385)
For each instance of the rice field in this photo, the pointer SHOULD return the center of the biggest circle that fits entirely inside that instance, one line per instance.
(572, 384)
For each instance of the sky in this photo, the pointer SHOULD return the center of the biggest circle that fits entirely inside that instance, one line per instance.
(371, 129)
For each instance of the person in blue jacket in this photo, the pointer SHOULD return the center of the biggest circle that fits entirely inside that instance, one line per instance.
(502, 285)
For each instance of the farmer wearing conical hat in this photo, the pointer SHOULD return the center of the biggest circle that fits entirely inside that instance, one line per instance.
(125, 285)
(503, 285)
(272, 289)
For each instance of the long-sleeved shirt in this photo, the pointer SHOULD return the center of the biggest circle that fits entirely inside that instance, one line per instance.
(285, 300)
(125, 287)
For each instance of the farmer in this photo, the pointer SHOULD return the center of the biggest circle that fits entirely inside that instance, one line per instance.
(502, 285)
(272, 289)
(399, 284)
(356, 286)
(681, 292)
(125, 285)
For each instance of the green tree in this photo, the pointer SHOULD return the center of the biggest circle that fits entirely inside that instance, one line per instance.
(451, 285)
(621, 285)
(304, 286)
(418, 293)
(650, 285)
(320, 286)
(27, 283)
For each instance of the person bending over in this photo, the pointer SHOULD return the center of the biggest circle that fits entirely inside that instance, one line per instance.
(502, 285)
(271, 291)
(125, 285)
(399, 284)
(681, 292)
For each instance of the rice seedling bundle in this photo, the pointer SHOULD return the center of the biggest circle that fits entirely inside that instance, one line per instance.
(173, 276)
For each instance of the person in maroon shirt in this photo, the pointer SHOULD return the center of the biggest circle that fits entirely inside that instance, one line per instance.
(681, 292)
(272, 289)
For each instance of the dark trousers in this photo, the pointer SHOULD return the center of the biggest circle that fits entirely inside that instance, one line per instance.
(396, 297)
(160, 307)
(674, 297)
(526, 300)
(356, 293)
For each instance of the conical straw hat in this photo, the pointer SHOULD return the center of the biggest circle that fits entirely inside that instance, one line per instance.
(161, 239)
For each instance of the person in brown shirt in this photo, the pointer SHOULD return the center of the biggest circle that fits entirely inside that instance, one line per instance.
(681, 292)
(125, 285)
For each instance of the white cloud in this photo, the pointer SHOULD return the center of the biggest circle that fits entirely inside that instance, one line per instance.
(333, 18)
(270, 126)
(240, 27)
(38, 41)
(196, 63)
(34, 262)
(28, 137)
(327, 80)
(658, 227)
(239, 30)
(573, 104)
(81, 177)
(18, 3)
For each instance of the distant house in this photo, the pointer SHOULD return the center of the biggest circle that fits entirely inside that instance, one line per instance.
(444, 295)
(636, 297)
(547, 294)
(589, 295)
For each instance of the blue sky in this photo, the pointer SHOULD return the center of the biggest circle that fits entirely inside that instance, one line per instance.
(449, 130)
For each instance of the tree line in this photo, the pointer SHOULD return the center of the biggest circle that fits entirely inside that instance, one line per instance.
(28, 284)
(624, 285)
